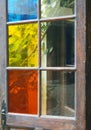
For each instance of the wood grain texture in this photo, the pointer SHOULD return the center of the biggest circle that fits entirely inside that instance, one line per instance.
(45, 123)
(81, 60)
(48, 123)
(88, 65)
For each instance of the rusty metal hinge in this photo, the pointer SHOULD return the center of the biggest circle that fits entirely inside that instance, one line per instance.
(3, 115)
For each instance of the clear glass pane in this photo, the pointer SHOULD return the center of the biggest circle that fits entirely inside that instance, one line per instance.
(58, 93)
(23, 45)
(57, 43)
(23, 91)
(55, 8)
(22, 10)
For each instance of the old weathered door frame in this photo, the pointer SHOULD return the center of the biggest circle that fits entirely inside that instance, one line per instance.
(26, 121)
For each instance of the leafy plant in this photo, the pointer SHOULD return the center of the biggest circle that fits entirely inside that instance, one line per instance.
(67, 3)
(23, 45)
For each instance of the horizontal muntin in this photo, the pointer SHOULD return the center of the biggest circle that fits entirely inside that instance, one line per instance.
(42, 20)
(43, 68)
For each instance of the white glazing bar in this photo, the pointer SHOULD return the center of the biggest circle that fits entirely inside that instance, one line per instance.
(75, 1)
(75, 95)
(75, 48)
(22, 22)
(39, 58)
(43, 19)
(58, 18)
(75, 90)
(22, 68)
(59, 68)
(43, 68)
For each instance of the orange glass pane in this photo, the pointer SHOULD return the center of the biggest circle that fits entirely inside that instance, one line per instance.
(23, 91)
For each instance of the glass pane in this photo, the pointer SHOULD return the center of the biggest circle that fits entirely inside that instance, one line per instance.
(22, 10)
(55, 8)
(23, 91)
(69, 89)
(58, 92)
(57, 43)
(23, 45)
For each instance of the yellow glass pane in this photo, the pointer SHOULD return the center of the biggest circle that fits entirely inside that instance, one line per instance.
(23, 91)
(23, 45)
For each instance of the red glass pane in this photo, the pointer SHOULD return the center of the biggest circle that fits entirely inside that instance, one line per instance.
(23, 91)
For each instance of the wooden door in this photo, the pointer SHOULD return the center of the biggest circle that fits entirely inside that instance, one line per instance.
(42, 64)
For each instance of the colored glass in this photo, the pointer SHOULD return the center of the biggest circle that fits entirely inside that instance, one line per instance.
(58, 93)
(57, 43)
(23, 45)
(22, 10)
(23, 91)
(56, 8)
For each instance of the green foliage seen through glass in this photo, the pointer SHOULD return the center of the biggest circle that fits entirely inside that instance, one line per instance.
(23, 45)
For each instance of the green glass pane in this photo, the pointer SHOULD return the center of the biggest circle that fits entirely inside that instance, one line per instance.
(23, 45)
(56, 8)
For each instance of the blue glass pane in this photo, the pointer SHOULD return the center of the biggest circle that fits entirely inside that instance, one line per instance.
(22, 10)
